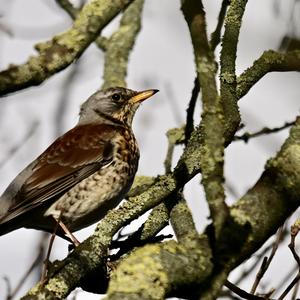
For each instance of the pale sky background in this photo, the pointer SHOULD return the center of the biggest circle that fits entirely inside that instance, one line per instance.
(163, 59)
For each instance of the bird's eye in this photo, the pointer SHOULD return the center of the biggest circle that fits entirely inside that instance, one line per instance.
(116, 97)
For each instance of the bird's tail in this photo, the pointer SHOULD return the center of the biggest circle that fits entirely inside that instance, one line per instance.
(7, 227)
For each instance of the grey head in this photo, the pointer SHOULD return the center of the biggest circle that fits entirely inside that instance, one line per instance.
(113, 105)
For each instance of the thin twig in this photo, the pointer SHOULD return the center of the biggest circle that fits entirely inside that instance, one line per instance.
(216, 35)
(246, 136)
(287, 277)
(169, 157)
(295, 228)
(267, 261)
(242, 293)
(8, 288)
(68, 7)
(229, 295)
(258, 258)
(175, 136)
(294, 232)
(295, 291)
(190, 111)
(290, 286)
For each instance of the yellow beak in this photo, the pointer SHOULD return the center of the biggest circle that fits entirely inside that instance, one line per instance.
(141, 96)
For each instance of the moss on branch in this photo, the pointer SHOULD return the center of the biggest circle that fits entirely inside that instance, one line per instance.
(270, 61)
(73, 12)
(120, 44)
(153, 271)
(59, 52)
(211, 137)
(229, 98)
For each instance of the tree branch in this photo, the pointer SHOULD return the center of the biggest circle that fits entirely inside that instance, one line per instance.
(270, 61)
(211, 127)
(246, 136)
(73, 12)
(241, 292)
(216, 35)
(175, 137)
(147, 273)
(120, 45)
(189, 127)
(58, 53)
(267, 261)
(229, 98)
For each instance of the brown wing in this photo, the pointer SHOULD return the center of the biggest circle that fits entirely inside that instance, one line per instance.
(71, 158)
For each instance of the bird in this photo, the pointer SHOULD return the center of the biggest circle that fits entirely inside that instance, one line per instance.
(83, 174)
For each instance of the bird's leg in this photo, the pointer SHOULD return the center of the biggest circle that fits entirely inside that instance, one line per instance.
(46, 262)
(68, 233)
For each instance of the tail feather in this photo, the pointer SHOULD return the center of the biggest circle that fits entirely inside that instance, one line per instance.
(9, 226)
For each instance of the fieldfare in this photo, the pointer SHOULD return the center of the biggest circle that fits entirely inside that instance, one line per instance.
(83, 174)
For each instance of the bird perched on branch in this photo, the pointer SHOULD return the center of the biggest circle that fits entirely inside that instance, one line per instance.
(83, 174)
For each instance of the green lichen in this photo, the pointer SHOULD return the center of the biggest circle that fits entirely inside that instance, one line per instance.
(63, 49)
(120, 45)
(141, 273)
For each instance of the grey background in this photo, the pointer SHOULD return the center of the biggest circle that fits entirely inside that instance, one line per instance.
(162, 58)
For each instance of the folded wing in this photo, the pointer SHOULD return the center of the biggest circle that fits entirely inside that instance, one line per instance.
(71, 158)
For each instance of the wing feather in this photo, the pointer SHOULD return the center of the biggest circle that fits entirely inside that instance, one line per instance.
(71, 158)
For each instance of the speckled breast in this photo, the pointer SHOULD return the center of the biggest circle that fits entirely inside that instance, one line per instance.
(89, 201)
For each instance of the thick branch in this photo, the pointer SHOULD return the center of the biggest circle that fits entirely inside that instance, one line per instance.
(72, 11)
(182, 222)
(63, 49)
(233, 23)
(211, 141)
(120, 45)
(270, 61)
(148, 273)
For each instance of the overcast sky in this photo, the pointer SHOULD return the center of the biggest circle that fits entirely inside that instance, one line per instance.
(162, 59)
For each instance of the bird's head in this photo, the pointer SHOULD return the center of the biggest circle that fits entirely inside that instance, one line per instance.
(113, 105)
